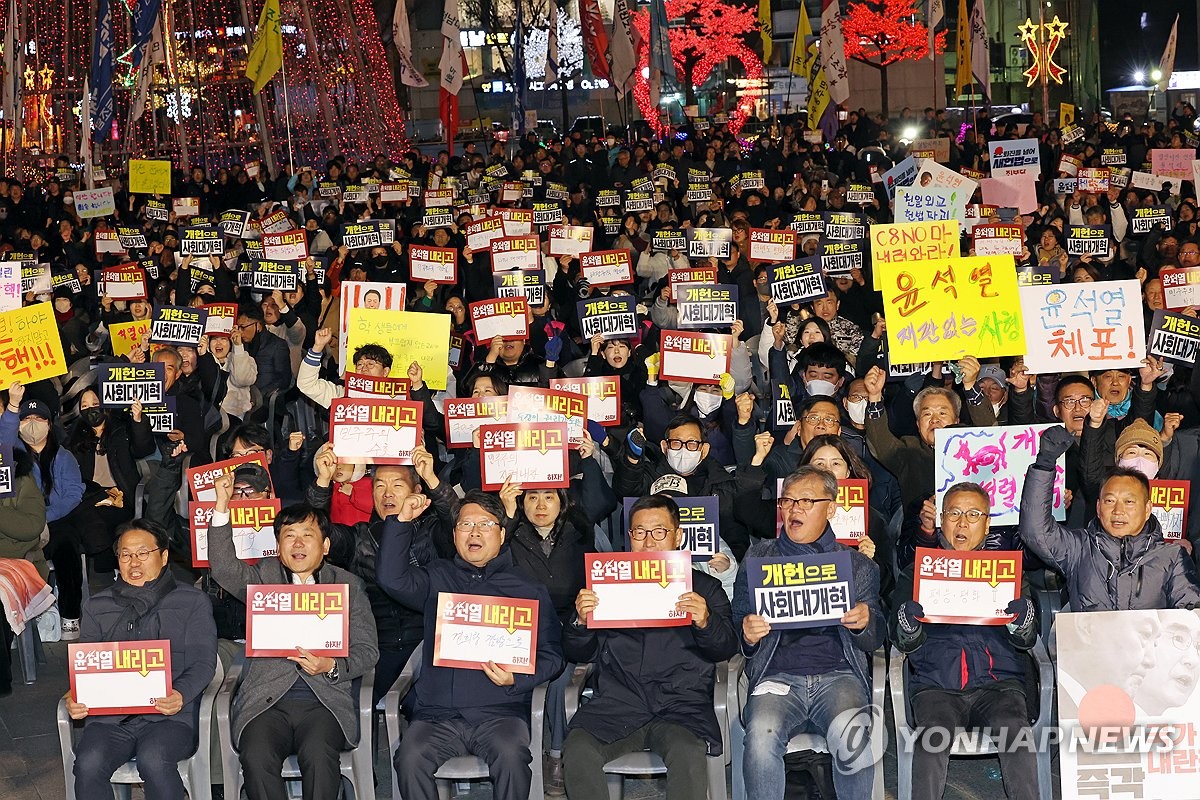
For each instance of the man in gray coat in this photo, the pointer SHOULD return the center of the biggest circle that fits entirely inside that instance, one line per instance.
(1119, 561)
(304, 703)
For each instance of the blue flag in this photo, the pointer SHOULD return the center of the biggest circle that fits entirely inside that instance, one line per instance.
(102, 74)
(145, 17)
(660, 45)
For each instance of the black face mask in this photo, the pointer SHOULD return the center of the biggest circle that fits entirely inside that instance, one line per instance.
(379, 262)
(93, 417)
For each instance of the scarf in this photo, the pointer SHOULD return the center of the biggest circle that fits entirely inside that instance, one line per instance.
(138, 620)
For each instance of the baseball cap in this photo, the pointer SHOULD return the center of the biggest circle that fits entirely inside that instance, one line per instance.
(35, 408)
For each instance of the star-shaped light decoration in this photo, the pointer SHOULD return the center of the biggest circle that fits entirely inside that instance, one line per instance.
(1042, 48)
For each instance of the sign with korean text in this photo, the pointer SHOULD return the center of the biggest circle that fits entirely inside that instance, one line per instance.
(796, 281)
(612, 317)
(36, 278)
(472, 630)
(251, 524)
(1169, 504)
(810, 591)
(1089, 240)
(606, 267)
(125, 336)
(161, 415)
(943, 310)
(374, 430)
(709, 242)
(929, 203)
(437, 264)
(147, 176)
(202, 481)
(531, 404)
(850, 520)
(706, 305)
(465, 415)
(234, 222)
(120, 385)
(912, 241)
(996, 458)
(290, 246)
(527, 283)
(515, 252)
(1176, 164)
(125, 282)
(681, 275)
(1181, 286)
(1083, 326)
(694, 357)
(938, 149)
(998, 239)
(30, 347)
(639, 590)
(107, 242)
(966, 587)
(177, 325)
(772, 245)
(221, 318)
(808, 223)
(1174, 337)
(700, 521)
(532, 454)
(409, 336)
(570, 240)
(185, 207)
(368, 386)
(1016, 157)
(10, 285)
(1093, 179)
(664, 240)
(282, 617)
(603, 393)
(270, 276)
(504, 318)
(202, 240)
(1146, 218)
(481, 232)
(113, 678)
(92, 203)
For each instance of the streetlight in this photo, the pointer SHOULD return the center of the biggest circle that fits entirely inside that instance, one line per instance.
(1138, 77)
(1156, 76)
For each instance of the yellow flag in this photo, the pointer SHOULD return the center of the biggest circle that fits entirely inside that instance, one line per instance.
(766, 28)
(962, 74)
(804, 32)
(266, 56)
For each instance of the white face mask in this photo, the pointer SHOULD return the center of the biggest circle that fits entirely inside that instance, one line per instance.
(820, 387)
(62, 304)
(857, 409)
(1146, 466)
(33, 431)
(707, 402)
(680, 388)
(684, 461)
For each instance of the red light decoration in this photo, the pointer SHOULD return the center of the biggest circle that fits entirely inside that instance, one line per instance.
(714, 32)
(1042, 47)
(879, 33)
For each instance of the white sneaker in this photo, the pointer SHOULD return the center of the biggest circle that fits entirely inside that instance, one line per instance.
(70, 630)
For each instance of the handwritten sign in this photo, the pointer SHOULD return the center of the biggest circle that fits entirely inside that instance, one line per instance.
(30, 347)
(1169, 503)
(481, 232)
(252, 527)
(515, 252)
(437, 264)
(473, 629)
(772, 245)
(998, 239)
(1083, 326)
(996, 458)
(149, 176)
(113, 678)
(812, 591)
(124, 336)
(570, 240)
(928, 203)
(465, 415)
(409, 336)
(606, 267)
(638, 590)
(851, 518)
(694, 357)
(282, 617)
(912, 241)
(1176, 164)
(1094, 179)
(1181, 286)
(966, 588)
(530, 404)
(533, 454)
(92, 203)
(374, 430)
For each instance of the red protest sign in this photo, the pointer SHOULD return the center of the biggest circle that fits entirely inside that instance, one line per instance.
(639, 590)
(966, 587)
(283, 617)
(472, 630)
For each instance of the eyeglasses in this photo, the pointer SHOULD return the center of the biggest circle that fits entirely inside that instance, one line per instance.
(247, 325)
(802, 503)
(680, 444)
(855, 398)
(656, 534)
(250, 452)
(1072, 402)
(486, 526)
(1181, 642)
(819, 419)
(244, 491)
(126, 556)
(973, 515)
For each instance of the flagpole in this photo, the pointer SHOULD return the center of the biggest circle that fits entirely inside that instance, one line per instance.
(19, 113)
(264, 127)
(287, 113)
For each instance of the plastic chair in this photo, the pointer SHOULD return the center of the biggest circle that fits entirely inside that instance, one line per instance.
(30, 651)
(195, 770)
(646, 763)
(460, 768)
(356, 764)
(965, 745)
(811, 741)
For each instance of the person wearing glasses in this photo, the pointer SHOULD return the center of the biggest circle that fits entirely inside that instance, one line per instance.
(1171, 682)
(653, 686)
(269, 351)
(801, 680)
(457, 712)
(146, 602)
(967, 676)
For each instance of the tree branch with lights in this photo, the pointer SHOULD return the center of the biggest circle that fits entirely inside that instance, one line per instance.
(880, 33)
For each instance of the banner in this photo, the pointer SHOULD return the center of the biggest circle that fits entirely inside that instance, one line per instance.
(472, 630)
(532, 454)
(408, 335)
(812, 591)
(30, 347)
(966, 588)
(638, 590)
(120, 678)
(694, 357)
(374, 430)
(282, 617)
(251, 524)
(1083, 326)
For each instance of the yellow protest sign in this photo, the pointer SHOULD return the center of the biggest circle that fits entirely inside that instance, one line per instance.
(408, 335)
(149, 176)
(911, 241)
(944, 309)
(124, 336)
(1066, 114)
(30, 348)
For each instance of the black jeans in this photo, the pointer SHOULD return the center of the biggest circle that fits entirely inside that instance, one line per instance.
(502, 742)
(684, 753)
(304, 727)
(157, 745)
(63, 550)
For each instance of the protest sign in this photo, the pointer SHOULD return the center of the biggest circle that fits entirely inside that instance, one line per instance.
(221, 318)
(161, 415)
(912, 241)
(943, 310)
(438, 218)
(938, 149)
(1083, 326)
(796, 282)
(611, 317)
(677, 276)
(437, 264)
(251, 524)
(464, 416)
(149, 176)
(201, 481)
(1176, 164)
(606, 267)
(1146, 218)
(996, 458)
(36, 278)
(637, 202)
(282, 617)
(1069, 165)
(8, 473)
(532, 454)
(1089, 240)
(903, 174)
(178, 325)
(700, 521)
(270, 276)
(374, 430)
(124, 336)
(112, 678)
(185, 207)
(527, 283)
(1113, 156)
(531, 404)
(234, 222)
(409, 336)
(966, 588)
(1064, 185)
(480, 232)
(809, 591)
(516, 221)
(808, 223)
(706, 305)
(694, 357)
(1181, 286)
(120, 385)
(851, 518)
(472, 630)
(1015, 157)
(368, 386)
(859, 194)
(1011, 191)
(546, 214)
(842, 258)
(276, 222)
(131, 238)
(504, 318)
(393, 192)
(1094, 179)
(781, 404)
(570, 240)
(515, 252)
(603, 393)
(772, 245)
(107, 242)
(30, 347)
(1174, 337)
(1169, 501)
(929, 204)
(289, 246)
(92, 203)
(709, 242)
(202, 240)
(373, 295)
(638, 590)
(10, 285)
(998, 239)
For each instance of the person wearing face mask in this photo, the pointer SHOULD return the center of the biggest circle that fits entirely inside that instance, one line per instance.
(107, 444)
(26, 422)
(1139, 448)
(72, 328)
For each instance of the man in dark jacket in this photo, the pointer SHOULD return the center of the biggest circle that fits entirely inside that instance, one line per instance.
(654, 686)
(269, 351)
(1120, 561)
(967, 676)
(464, 711)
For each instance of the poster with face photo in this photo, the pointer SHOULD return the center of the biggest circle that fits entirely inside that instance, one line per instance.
(366, 294)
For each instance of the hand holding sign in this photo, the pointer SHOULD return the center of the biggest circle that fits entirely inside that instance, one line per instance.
(170, 705)
(312, 665)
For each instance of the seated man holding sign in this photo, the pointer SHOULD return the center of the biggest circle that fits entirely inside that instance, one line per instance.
(304, 703)
(810, 615)
(491, 636)
(146, 604)
(654, 686)
(967, 675)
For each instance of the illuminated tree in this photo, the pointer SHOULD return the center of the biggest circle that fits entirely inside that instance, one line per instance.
(879, 33)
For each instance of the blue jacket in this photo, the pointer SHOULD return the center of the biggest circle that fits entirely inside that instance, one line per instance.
(855, 644)
(68, 483)
(449, 692)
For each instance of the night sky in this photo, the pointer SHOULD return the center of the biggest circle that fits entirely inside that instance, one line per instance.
(1133, 34)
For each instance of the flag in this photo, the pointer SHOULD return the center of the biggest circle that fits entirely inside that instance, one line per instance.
(145, 24)
(155, 54)
(833, 52)
(402, 41)
(595, 37)
(818, 99)
(12, 65)
(766, 28)
(1166, 64)
(962, 50)
(981, 60)
(801, 59)
(623, 48)
(552, 49)
(85, 139)
(102, 74)
(937, 12)
(520, 81)
(266, 56)
(662, 65)
(452, 65)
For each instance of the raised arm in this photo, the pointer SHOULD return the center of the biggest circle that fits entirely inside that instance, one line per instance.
(228, 570)
(395, 573)
(1051, 542)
